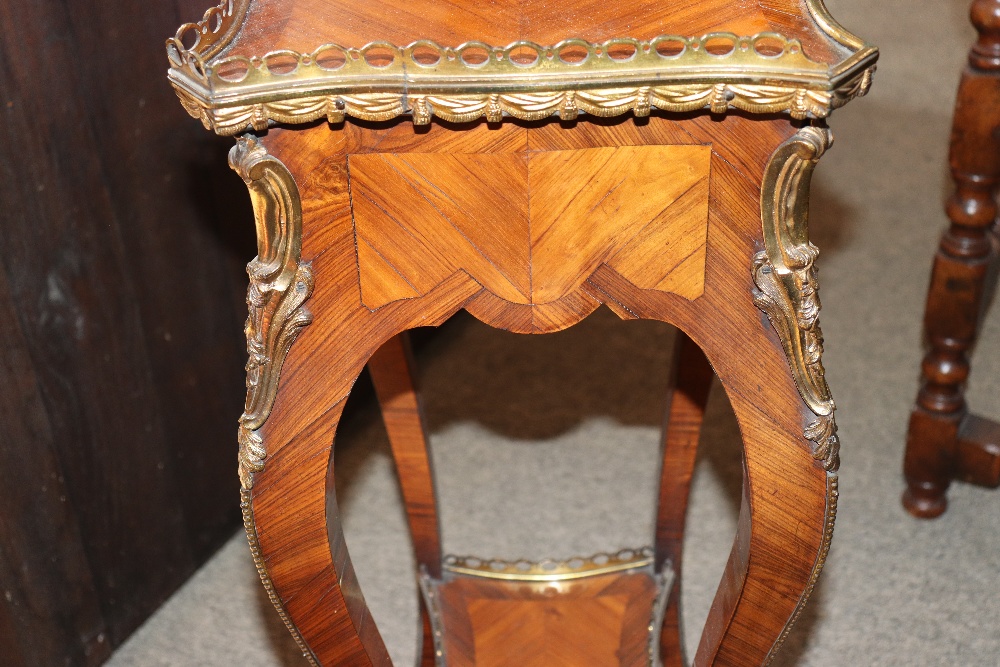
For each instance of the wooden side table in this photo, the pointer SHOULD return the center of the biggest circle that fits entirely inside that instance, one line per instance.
(691, 211)
(945, 441)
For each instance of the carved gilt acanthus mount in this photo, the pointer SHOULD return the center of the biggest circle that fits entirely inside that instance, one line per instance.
(785, 275)
(279, 284)
(763, 73)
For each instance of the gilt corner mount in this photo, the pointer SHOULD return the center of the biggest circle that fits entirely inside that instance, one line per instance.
(279, 284)
(787, 288)
(765, 73)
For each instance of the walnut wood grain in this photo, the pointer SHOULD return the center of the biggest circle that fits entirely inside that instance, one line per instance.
(643, 210)
(958, 284)
(782, 528)
(428, 215)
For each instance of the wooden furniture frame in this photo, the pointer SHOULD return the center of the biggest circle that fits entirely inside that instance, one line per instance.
(945, 441)
(695, 215)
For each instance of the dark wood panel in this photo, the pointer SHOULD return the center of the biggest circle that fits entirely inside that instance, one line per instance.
(40, 542)
(186, 228)
(123, 236)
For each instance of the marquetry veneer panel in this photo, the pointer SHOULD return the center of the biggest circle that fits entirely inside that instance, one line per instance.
(531, 227)
(599, 620)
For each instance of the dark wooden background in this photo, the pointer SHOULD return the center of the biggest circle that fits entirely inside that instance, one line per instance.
(123, 237)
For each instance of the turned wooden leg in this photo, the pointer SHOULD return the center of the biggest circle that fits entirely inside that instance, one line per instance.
(942, 444)
(688, 395)
(393, 373)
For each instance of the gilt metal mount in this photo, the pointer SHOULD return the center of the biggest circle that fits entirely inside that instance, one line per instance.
(550, 570)
(762, 73)
(279, 284)
(785, 276)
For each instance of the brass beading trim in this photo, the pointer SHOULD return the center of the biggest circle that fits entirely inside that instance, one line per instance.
(250, 526)
(427, 590)
(664, 583)
(830, 519)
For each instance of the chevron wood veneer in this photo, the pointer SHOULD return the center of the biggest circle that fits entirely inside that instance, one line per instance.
(530, 227)
(593, 621)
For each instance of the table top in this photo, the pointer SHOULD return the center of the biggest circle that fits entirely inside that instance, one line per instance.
(252, 62)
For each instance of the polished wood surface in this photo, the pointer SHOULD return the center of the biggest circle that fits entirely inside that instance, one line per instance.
(421, 217)
(394, 375)
(690, 384)
(597, 620)
(306, 24)
(786, 495)
(944, 441)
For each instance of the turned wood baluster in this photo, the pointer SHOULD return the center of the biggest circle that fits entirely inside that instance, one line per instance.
(958, 279)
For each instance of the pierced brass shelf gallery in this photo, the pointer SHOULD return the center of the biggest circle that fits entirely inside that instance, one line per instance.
(762, 73)
(550, 570)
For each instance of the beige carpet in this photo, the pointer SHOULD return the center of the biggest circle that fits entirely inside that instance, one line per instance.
(571, 421)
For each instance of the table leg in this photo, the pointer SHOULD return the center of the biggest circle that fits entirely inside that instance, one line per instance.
(291, 503)
(309, 336)
(688, 395)
(786, 515)
(790, 484)
(393, 372)
(764, 343)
